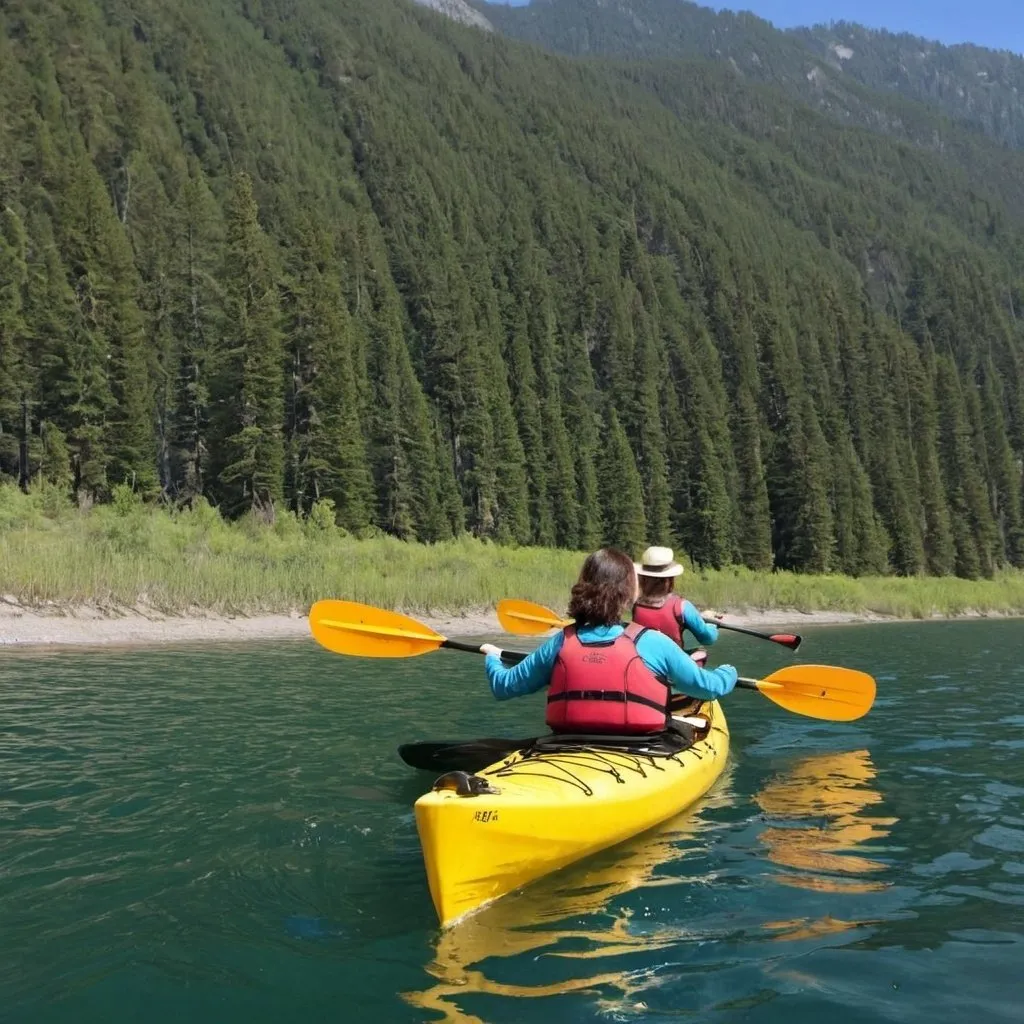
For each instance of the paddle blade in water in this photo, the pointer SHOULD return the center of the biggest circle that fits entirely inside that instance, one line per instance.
(526, 618)
(347, 627)
(820, 691)
(790, 640)
(460, 755)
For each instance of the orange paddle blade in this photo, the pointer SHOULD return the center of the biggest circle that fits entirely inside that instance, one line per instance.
(527, 618)
(820, 691)
(347, 627)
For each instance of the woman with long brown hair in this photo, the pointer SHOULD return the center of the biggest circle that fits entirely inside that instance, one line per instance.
(604, 676)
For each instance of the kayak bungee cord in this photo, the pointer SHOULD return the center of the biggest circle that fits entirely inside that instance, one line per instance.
(600, 762)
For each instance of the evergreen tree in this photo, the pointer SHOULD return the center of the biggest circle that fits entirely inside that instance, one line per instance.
(14, 374)
(621, 491)
(253, 475)
(523, 383)
(939, 550)
(972, 525)
(328, 448)
(1004, 473)
(753, 534)
(195, 322)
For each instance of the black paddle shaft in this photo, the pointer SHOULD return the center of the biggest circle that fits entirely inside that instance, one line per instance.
(790, 640)
(513, 657)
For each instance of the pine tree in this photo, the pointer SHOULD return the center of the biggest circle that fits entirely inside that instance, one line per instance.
(523, 384)
(195, 320)
(939, 549)
(862, 546)
(326, 436)
(1004, 473)
(621, 491)
(753, 534)
(651, 438)
(130, 433)
(253, 476)
(798, 487)
(512, 501)
(707, 526)
(970, 517)
(49, 312)
(576, 496)
(417, 493)
(14, 373)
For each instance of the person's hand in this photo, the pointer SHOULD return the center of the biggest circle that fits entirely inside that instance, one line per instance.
(490, 649)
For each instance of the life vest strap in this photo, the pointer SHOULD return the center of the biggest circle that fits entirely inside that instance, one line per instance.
(616, 696)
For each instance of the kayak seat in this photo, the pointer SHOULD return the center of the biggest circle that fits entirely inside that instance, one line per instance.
(680, 704)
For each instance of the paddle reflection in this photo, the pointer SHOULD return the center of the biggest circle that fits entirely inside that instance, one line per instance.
(535, 920)
(821, 808)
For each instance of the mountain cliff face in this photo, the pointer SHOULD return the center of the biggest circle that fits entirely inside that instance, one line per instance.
(981, 88)
(458, 10)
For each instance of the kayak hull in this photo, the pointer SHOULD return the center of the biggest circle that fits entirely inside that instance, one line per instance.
(553, 809)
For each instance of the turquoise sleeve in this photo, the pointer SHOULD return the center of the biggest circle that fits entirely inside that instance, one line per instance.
(705, 632)
(531, 674)
(667, 660)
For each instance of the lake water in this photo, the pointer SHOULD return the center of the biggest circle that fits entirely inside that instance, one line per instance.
(225, 833)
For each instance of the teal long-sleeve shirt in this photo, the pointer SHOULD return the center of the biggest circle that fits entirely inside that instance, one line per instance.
(660, 654)
(705, 632)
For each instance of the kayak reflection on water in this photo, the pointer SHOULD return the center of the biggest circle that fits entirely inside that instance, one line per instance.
(819, 814)
(527, 921)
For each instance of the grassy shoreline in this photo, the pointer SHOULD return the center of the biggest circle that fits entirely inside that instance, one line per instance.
(126, 556)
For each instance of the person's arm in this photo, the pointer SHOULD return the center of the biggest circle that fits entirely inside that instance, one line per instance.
(531, 674)
(705, 632)
(667, 660)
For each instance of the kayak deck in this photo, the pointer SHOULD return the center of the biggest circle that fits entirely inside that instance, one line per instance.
(548, 809)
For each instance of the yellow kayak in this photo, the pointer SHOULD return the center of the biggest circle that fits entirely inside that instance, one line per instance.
(540, 809)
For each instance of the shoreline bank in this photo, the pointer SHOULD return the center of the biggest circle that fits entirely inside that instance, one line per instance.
(83, 626)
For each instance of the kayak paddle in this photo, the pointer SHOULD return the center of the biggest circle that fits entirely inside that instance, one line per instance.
(460, 755)
(790, 640)
(529, 619)
(347, 627)
(818, 691)
(526, 618)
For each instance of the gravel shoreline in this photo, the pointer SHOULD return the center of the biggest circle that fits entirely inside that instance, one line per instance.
(90, 626)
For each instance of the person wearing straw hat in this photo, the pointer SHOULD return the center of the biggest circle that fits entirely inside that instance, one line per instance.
(658, 607)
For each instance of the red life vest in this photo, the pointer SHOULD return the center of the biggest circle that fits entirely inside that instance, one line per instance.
(605, 687)
(667, 619)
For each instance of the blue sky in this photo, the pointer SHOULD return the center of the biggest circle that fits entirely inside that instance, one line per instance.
(995, 23)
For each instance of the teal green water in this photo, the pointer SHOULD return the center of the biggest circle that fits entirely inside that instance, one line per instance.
(226, 834)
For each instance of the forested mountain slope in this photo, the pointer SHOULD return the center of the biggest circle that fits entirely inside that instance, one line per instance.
(278, 250)
(822, 64)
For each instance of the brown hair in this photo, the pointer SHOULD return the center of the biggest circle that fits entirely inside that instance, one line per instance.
(656, 586)
(606, 585)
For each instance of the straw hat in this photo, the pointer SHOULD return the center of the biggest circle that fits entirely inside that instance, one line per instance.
(658, 562)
